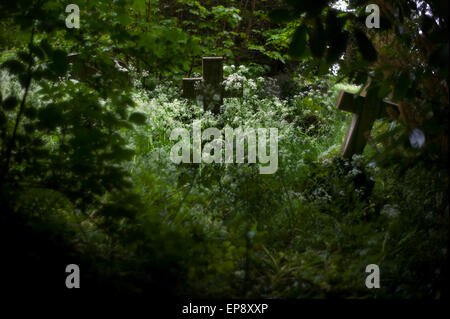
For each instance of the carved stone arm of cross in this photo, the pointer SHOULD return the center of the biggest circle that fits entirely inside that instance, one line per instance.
(364, 115)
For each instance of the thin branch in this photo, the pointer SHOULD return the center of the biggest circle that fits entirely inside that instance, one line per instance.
(21, 109)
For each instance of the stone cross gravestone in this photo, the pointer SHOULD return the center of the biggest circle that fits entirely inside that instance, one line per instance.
(364, 115)
(210, 86)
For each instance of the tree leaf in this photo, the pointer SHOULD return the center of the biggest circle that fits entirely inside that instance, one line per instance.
(46, 48)
(3, 118)
(338, 44)
(401, 86)
(317, 40)
(365, 46)
(138, 118)
(298, 44)
(50, 116)
(311, 6)
(37, 50)
(13, 66)
(10, 103)
(280, 15)
(60, 62)
(30, 112)
(24, 56)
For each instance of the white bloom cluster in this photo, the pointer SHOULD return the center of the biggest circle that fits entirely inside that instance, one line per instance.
(354, 172)
(229, 68)
(321, 195)
(357, 160)
(234, 82)
(390, 210)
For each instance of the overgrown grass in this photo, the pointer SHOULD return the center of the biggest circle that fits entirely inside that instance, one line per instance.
(224, 230)
(307, 231)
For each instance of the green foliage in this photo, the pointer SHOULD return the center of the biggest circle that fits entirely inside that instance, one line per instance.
(365, 46)
(399, 61)
(310, 229)
(62, 136)
(85, 122)
(298, 44)
(138, 118)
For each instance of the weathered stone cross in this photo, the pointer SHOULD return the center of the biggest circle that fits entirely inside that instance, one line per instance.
(364, 115)
(209, 87)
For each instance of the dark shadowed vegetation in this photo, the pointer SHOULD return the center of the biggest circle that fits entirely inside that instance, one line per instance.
(85, 175)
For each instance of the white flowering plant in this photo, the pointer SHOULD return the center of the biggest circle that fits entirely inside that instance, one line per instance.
(301, 222)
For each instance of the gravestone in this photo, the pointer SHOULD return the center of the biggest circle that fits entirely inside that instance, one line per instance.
(210, 86)
(364, 115)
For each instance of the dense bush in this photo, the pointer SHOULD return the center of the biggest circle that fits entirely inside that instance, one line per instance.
(310, 229)
(86, 177)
